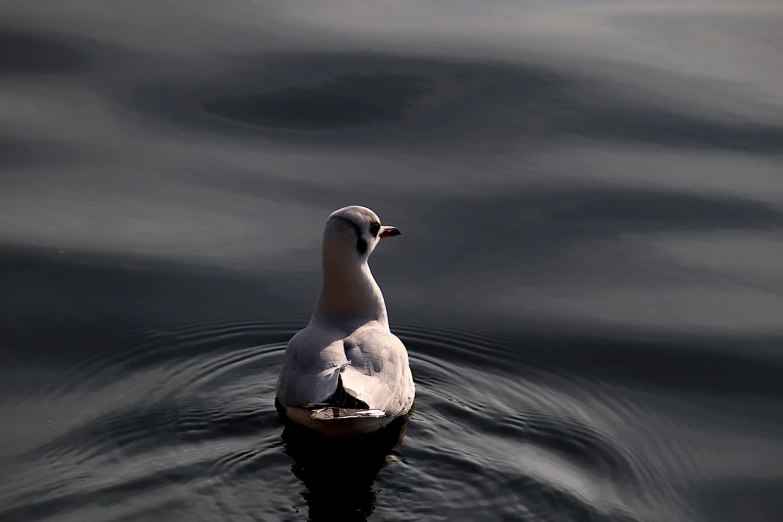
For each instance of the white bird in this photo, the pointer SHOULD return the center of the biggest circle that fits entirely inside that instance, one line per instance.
(346, 373)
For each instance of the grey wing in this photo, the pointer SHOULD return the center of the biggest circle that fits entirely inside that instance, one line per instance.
(314, 358)
(379, 373)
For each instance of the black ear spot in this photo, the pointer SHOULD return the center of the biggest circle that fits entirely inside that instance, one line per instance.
(361, 246)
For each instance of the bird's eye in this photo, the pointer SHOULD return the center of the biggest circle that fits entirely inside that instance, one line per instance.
(374, 228)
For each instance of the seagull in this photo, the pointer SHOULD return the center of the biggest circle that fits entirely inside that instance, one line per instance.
(346, 373)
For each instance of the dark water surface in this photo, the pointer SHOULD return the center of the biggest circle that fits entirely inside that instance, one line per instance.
(589, 280)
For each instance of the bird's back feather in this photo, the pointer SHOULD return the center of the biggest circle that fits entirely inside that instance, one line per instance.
(370, 364)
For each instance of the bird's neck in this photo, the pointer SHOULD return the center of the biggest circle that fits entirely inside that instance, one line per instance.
(349, 294)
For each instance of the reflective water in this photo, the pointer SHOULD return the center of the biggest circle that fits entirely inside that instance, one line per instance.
(588, 281)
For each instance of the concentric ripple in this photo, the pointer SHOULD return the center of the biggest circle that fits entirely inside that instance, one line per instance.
(183, 417)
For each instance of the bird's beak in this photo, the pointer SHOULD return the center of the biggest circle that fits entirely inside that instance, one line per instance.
(388, 232)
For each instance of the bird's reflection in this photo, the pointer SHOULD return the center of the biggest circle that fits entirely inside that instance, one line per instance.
(339, 473)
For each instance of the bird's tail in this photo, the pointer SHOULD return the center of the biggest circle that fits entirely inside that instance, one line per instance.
(342, 405)
(334, 413)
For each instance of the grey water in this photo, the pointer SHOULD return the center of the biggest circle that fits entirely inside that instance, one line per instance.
(588, 281)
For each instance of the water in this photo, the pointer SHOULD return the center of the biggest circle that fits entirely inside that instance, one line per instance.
(588, 282)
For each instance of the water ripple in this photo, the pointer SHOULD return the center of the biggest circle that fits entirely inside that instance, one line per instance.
(189, 410)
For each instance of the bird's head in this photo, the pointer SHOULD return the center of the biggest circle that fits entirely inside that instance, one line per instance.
(353, 233)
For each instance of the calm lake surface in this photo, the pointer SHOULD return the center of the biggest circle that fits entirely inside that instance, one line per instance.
(589, 280)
